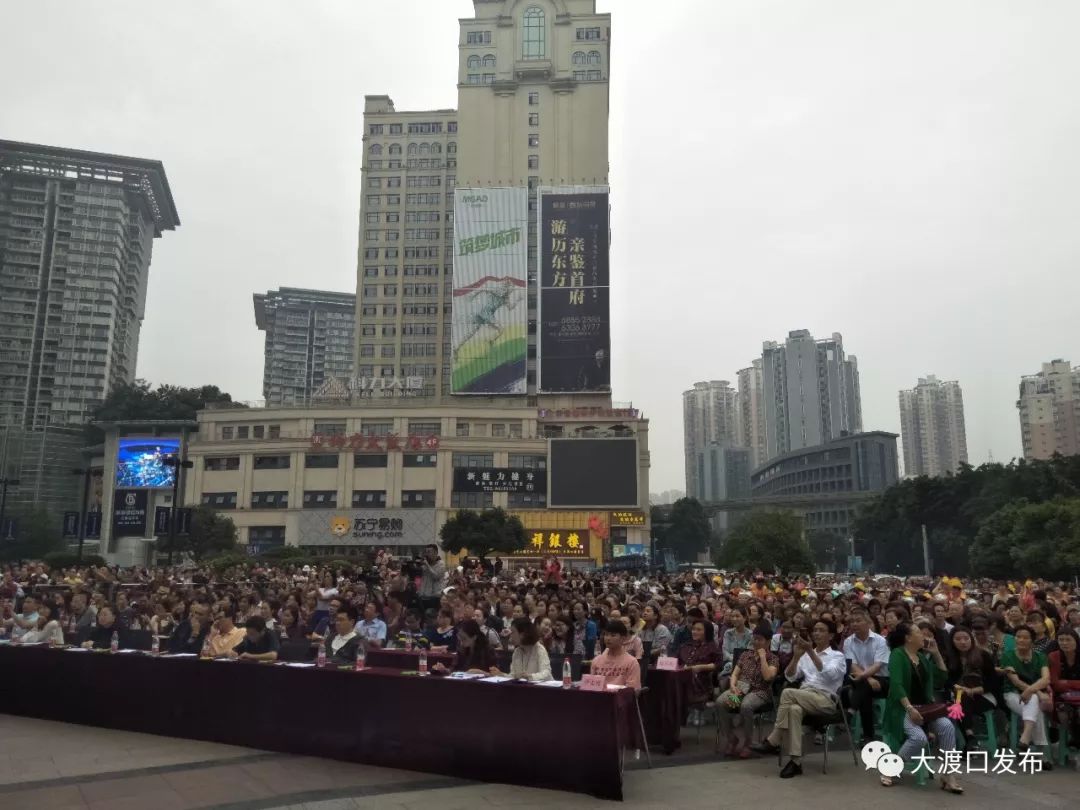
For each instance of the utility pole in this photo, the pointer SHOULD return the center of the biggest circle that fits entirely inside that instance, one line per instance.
(85, 473)
(925, 552)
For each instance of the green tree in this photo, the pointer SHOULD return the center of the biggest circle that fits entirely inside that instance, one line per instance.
(768, 540)
(38, 534)
(1029, 540)
(687, 531)
(483, 533)
(211, 533)
(828, 550)
(140, 400)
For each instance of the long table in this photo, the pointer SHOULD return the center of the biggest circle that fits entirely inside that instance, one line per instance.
(508, 732)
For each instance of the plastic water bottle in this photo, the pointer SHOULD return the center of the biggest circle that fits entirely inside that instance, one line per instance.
(567, 675)
(408, 643)
(114, 644)
(322, 654)
(361, 657)
(206, 652)
(155, 646)
(423, 662)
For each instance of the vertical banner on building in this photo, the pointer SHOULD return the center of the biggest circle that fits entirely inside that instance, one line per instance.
(574, 342)
(129, 513)
(490, 317)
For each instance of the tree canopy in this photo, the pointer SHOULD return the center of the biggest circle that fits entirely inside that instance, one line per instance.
(38, 533)
(483, 533)
(140, 400)
(956, 509)
(683, 530)
(211, 533)
(767, 541)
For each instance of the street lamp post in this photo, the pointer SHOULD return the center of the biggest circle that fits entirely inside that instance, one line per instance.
(177, 464)
(85, 472)
(4, 484)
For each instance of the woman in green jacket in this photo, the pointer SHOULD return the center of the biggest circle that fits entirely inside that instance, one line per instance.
(1027, 679)
(916, 670)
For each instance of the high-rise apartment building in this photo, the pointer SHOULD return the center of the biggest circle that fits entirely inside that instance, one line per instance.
(76, 234)
(532, 111)
(1049, 408)
(710, 417)
(811, 392)
(309, 341)
(932, 427)
(752, 412)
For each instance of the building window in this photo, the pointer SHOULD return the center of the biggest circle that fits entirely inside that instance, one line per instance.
(588, 33)
(462, 430)
(424, 428)
(473, 62)
(498, 430)
(478, 38)
(534, 99)
(330, 428)
(226, 432)
(369, 499)
(489, 78)
(534, 141)
(534, 119)
(219, 500)
(534, 161)
(241, 431)
(395, 149)
(269, 500)
(274, 432)
(418, 499)
(527, 462)
(473, 461)
(472, 500)
(320, 499)
(526, 500)
(472, 78)
(419, 460)
(534, 43)
(395, 129)
(375, 129)
(489, 60)
(594, 57)
(272, 462)
(579, 57)
(376, 149)
(372, 427)
(222, 463)
(369, 461)
(321, 461)
(266, 535)
(258, 432)
(515, 430)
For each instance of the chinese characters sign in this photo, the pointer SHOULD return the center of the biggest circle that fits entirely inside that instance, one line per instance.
(502, 479)
(627, 518)
(560, 542)
(129, 513)
(574, 311)
(343, 527)
(337, 389)
(360, 443)
(489, 329)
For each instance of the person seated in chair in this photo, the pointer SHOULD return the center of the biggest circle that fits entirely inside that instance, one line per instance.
(821, 670)
(750, 691)
(869, 656)
(345, 642)
(100, 637)
(259, 644)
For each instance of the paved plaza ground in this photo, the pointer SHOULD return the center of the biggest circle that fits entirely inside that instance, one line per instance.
(47, 766)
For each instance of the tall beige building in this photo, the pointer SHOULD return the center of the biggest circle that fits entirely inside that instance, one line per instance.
(1049, 407)
(532, 111)
(752, 412)
(932, 425)
(710, 417)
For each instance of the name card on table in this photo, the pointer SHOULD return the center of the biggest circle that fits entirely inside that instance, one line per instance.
(667, 662)
(592, 683)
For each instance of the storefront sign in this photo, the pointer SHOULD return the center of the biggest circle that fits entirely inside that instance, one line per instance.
(627, 518)
(560, 542)
(338, 389)
(588, 413)
(359, 443)
(390, 527)
(129, 513)
(499, 479)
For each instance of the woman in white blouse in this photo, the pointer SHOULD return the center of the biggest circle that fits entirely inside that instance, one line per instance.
(530, 661)
(47, 628)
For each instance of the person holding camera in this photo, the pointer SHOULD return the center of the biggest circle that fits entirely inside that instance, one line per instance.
(432, 578)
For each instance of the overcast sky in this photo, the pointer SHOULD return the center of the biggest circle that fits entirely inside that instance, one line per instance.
(905, 173)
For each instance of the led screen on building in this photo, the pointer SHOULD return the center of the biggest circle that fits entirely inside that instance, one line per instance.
(593, 473)
(140, 463)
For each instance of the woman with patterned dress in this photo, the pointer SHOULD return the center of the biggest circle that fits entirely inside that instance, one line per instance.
(701, 656)
(750, 690)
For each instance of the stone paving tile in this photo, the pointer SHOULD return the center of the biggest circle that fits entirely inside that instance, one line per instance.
(44, 799)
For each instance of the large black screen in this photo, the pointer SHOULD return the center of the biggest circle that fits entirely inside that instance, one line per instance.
(593, 473)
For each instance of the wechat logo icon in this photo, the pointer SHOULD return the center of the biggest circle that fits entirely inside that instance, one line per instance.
(878, 755)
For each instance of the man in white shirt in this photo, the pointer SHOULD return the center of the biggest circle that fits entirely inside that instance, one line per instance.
(372, 629)
(23, 623)
(869, 657)
(821, 669)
